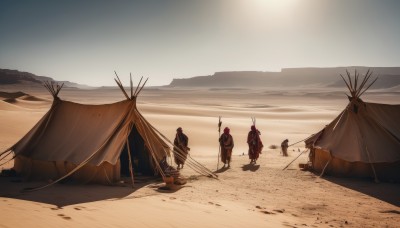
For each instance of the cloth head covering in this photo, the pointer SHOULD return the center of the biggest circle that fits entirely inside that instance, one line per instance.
(179, 129)
(226, 130)
(253, 128)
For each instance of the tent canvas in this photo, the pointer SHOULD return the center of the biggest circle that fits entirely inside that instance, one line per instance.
(363, 141)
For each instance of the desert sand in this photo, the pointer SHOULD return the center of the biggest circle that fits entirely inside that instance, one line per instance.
(261, 195)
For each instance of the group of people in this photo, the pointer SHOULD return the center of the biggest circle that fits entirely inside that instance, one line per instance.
(254, 142)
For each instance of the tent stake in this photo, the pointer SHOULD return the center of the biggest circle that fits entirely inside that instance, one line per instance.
(130, 161)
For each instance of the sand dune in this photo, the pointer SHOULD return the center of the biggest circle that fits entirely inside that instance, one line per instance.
(28, 97)
(30, 103)
(246, 195)
(7, 106)
(20, 100)
(6, 95)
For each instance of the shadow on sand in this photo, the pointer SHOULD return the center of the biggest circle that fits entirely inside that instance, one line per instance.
(388, 192)
(222, 169)
(250, 167)
(62, 195)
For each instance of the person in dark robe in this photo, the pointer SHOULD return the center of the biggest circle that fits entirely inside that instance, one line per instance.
(284, 147)
(181, 148)
(255, 144)
(226, 143)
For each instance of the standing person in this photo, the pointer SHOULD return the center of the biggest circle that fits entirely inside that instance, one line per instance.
(255, 144)
(226, 143)
(180, 148)
(284, 146)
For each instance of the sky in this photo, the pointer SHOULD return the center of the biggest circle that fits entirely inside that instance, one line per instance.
(84, 41)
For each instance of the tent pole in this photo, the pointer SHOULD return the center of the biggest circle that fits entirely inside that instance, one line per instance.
(373, 169)
(369, 159)
(323, 171)
(130, 161)
(372, 165)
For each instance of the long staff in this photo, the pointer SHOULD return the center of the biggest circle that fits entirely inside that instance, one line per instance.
(219, 136)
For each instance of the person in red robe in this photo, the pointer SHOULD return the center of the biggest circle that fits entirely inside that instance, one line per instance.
(181, 148)
(255, 144)
(226, 143)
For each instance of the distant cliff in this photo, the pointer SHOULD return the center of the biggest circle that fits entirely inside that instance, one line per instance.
(225, 79)
(8, 77)
(388, 77)
(15, 77)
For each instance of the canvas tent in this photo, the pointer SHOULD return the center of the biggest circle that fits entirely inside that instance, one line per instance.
(363, 141)
(92, 143)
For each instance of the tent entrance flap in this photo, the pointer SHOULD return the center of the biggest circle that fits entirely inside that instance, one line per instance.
(141, 159)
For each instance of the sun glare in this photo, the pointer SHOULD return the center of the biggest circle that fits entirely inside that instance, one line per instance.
(270, 8)
(257, 14)
(274, 4)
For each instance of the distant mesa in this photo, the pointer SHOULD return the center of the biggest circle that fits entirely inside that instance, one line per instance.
(15, 77)
(289, 77)
(389, 78)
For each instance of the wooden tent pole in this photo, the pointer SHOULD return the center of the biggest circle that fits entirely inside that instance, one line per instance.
(372, 165)
(369, 157)
(130, 75)
(323, 171)
(122, 89)
(130, 161)
(219, 136)
(137, 87)
(368, 87)
(119, 83)
(142, 87)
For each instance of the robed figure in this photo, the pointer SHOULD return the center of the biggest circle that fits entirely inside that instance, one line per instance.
(255, 144)
(181, 148)
(284, 147)
(226, 143)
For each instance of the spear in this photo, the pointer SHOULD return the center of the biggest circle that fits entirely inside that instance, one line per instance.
(219, 136)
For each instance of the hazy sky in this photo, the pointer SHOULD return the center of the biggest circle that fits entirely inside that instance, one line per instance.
(85, 41)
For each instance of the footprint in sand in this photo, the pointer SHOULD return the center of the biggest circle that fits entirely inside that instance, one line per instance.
(64, 217)
(267, 212)
(263, 210)
(78, 208)
(280, 210)
(216, 204)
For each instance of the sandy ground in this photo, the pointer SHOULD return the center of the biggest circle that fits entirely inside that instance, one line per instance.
(261, 195)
